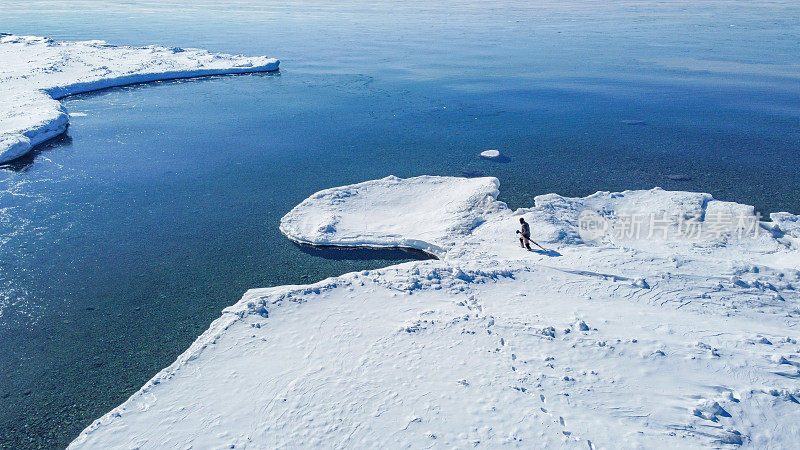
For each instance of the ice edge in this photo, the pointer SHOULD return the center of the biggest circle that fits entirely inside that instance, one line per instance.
(15, 143)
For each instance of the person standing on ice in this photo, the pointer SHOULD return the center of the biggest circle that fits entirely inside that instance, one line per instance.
(524, 234)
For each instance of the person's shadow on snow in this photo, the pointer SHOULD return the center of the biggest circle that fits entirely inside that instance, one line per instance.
(546, 253)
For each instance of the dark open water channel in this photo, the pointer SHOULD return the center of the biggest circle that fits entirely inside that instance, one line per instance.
(121, 241)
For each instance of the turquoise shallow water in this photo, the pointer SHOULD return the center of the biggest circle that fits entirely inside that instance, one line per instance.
(121, 241)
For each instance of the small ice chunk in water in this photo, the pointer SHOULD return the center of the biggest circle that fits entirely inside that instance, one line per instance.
(490, 154)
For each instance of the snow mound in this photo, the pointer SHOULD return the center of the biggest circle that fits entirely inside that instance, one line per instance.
(38, 71)
(615, 342)
(425, 213)
(786, 223)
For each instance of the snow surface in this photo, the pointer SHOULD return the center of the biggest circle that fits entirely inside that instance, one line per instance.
(38, 71)
(613, 341)
(432, 213)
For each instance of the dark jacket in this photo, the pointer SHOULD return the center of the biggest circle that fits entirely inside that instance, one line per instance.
(526, 230)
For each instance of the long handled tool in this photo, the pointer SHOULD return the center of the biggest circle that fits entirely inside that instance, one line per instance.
(535, 243)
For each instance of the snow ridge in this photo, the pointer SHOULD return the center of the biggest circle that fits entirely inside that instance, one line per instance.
(38, 71)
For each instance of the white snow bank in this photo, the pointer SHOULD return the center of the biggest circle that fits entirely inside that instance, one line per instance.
(787, 223)
(608, 343)
(456, 217)
(426, 213)
(38, 71)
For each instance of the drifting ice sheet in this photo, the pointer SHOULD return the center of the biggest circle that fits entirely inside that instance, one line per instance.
(614, 343)
(490, 154)
(38, 71)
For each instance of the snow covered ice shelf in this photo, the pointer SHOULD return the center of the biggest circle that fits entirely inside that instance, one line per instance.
(613, 342)
(38, 71)
(425, 213)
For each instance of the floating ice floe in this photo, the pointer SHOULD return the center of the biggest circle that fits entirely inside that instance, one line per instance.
(483, 346)
(38, 71)
(490, 154)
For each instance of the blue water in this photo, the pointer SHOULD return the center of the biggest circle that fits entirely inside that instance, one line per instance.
(121, 241)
